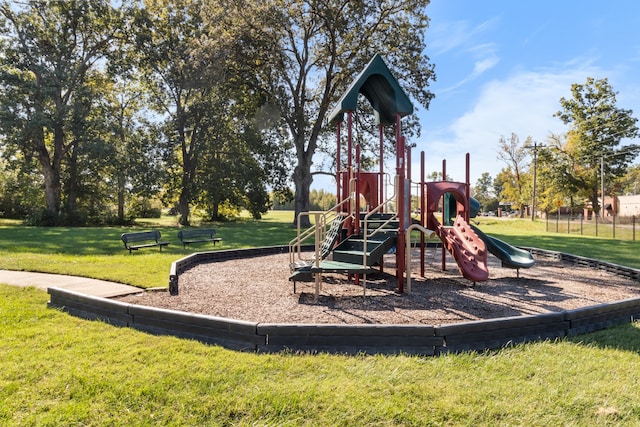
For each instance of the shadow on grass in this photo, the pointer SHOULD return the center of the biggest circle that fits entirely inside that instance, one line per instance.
(106, 240)
(623, 337)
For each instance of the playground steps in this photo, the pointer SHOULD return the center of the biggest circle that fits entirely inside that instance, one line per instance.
(306, 274)
(352, 250)
(302, 275)
(376, 221)
(348, 256)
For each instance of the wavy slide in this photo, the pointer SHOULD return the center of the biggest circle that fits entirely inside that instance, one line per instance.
(467, 248)
(510, 256)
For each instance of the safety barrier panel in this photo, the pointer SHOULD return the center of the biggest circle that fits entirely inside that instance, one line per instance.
(346, 338)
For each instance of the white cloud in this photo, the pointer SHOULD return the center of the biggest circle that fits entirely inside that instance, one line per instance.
(459, 39)
(448, 36)
(484, 65)
(484, 60)
(523, 103)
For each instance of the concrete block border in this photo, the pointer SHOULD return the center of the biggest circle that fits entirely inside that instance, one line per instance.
(351, 339)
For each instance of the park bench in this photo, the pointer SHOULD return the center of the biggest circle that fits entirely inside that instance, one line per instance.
(142, 239)
(198, 235)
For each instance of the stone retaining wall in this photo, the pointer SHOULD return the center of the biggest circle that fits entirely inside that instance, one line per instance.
(351, 339)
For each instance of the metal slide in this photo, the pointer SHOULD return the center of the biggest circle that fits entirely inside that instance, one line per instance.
(510, 256)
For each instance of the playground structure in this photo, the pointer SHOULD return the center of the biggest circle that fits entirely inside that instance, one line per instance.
(353, 237)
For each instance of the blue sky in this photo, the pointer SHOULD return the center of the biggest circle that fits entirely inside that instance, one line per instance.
(503, 65)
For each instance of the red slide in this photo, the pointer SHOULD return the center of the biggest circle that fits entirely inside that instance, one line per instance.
(469, 251)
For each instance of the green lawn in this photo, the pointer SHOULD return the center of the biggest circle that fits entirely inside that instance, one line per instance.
(533, 234)
(56, 369)
(99, 253)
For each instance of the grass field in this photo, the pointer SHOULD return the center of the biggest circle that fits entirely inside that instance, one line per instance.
(99, 253)
(56, 369)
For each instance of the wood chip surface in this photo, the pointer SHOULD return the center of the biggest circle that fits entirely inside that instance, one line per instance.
(258, 290)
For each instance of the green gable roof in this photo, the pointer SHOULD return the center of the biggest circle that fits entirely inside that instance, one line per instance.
(382, 90)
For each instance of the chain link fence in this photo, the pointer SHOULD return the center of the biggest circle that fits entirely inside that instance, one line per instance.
(609, 227)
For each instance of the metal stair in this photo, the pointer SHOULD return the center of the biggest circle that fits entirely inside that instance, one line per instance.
(352, 250)
(350, 256)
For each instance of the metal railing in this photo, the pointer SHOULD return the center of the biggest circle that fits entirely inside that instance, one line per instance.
(317, 231)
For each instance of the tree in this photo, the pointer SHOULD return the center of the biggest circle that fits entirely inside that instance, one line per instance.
(630, 182)
(437, 176)
(134, 166)
(598, 127)
(20, 186)
(49, 50)
(180, 84)
(515, 179)
(235, 168)
(559, 173)
(304, 53)
(322, 200)
(211, 113)
(483, 191)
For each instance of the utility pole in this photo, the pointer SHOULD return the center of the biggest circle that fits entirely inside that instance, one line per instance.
(535, 180)
(602, 185)
(535, 173)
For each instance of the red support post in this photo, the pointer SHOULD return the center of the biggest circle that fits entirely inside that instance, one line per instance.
(444, 222)
(467, 188)
(338, 172)
(347, 190)
(381, 159)
(357, 189)
(400, 173)
(422, 212)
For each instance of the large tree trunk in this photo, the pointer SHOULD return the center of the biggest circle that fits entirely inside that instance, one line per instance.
(595, 202)
(121, 192)
(52, 188)
(215, 211)
(71, 207)
(302, 180)
(185, 192)
(188, 172)
(51, 174)
(183, 207)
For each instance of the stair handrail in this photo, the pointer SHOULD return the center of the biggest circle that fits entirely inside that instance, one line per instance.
(317, 230)
(365, 234)
(430, 233)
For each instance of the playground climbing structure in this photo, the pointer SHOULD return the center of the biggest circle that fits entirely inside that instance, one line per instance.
(353, 237)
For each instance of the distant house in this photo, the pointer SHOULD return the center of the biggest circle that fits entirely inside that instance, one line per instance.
(629, 205)
(611, 206)
(618, 206)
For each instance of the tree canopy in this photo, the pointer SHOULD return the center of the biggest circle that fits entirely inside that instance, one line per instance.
(147, 99)
(593, 153)
(105, 106)
(306, 52)
(569, 169)
(51, 54)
